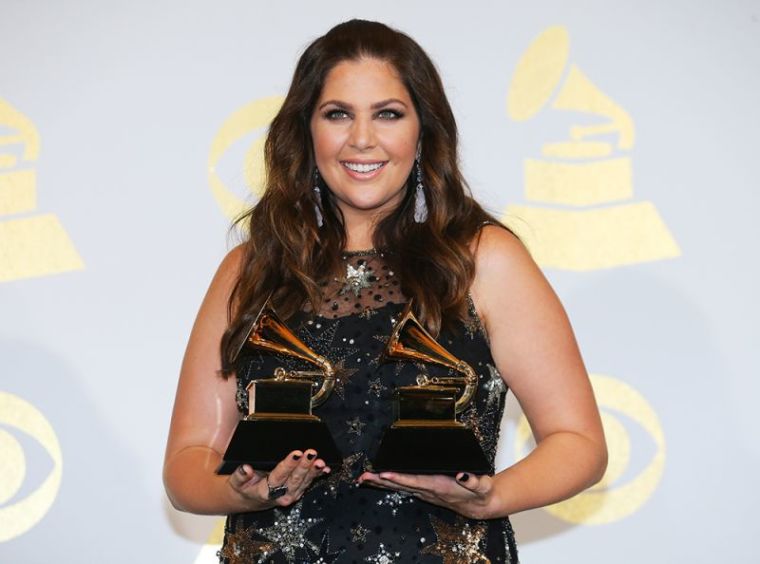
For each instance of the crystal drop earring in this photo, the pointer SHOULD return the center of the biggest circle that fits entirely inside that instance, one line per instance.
(420, 205)
(318, 199)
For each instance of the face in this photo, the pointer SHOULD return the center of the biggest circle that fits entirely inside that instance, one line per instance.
(365, 130)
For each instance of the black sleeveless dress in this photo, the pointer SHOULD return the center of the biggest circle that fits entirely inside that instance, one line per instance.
(336, 520)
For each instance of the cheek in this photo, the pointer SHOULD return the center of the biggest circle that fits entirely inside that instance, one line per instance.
(326, 143)
(402, 145)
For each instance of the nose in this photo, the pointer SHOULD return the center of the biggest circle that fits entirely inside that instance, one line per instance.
(362, 135)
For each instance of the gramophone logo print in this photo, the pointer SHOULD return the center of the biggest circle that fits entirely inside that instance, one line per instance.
(579, 218)
(579, 183)
(31, 244)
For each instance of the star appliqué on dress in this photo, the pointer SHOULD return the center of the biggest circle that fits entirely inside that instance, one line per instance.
(383, 556)
(356, 279)
(342, 376)
(459, 542)
(359, 534)
(325, 556)
(242, 549)
(288, 532)
(495, 387)
(355, 426)
(344, 475)
(376, 387)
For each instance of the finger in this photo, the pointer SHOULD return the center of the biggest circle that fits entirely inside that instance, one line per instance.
(280, 473)
(477, 484)
(299, 473)
(389, 485)
(318, 468)
(370, 483)
(244, 478)
(242, 475)
(410, 482)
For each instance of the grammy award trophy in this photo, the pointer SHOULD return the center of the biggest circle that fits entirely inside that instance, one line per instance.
(280, 417)
(426, 437)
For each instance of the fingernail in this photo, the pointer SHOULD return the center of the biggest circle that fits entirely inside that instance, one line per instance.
(241, 470)
(319, 466)
(296, 457)
(311, 456)
(464, 477)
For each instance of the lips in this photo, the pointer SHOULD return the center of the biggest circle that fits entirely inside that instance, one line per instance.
(363, 168)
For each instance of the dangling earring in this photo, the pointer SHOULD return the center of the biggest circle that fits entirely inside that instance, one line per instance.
(318, 200)
(420, 205)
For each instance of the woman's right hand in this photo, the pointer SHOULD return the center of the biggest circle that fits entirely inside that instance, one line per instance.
(296, 472)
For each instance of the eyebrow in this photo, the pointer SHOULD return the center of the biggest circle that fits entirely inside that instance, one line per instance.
(375, 106)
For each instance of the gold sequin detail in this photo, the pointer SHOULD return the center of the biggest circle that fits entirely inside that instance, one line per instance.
(240, 548)
(459, 542)
(342, 377)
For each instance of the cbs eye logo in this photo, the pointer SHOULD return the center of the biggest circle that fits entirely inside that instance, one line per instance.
(632, 474)
(20, 512)
(229, 156)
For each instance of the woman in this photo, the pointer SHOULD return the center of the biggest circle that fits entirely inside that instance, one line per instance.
(365, 209)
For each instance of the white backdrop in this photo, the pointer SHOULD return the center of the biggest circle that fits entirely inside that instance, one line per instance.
(130, 131)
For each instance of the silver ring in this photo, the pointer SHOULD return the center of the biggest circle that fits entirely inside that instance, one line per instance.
(277, 491)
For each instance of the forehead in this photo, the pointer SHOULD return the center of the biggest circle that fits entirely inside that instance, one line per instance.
(365, 79)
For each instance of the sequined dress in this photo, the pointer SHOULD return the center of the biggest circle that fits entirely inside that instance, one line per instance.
(336, 520)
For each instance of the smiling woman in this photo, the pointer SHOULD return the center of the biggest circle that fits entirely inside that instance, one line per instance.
(365, 213)
(366, 133)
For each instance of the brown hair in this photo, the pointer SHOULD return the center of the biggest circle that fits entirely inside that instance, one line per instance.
(288, 254)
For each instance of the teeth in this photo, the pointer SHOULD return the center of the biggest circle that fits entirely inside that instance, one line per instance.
(356, 167)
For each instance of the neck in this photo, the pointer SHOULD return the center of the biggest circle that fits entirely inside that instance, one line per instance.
(359, 232)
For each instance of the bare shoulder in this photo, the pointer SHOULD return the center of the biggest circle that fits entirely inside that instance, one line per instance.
(503, 267)
(230, 267)
(497, 251)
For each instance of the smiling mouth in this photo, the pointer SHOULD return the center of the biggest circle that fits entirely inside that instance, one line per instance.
(363, 168)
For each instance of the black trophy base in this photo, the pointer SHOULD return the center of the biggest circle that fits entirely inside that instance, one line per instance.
(430, 450)
(264, 443)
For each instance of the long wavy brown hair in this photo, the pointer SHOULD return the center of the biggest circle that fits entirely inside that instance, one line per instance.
(287, 254)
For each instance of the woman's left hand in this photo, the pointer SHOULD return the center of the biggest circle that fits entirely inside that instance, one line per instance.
(467, 494)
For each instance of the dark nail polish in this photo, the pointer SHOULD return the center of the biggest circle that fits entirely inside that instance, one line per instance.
(464, 477)
(296, 457)
(311, 456)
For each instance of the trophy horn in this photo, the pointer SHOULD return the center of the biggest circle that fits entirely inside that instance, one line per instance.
(411, 341)
(269, 333)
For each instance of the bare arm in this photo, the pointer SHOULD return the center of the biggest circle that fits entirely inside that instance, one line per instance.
(535, 350)
(204, 417)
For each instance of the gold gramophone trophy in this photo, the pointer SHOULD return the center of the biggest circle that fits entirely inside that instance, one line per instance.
(426, 437)
(279, 416)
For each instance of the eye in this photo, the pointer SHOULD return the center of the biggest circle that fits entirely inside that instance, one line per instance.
(390, 114)
(336, 114)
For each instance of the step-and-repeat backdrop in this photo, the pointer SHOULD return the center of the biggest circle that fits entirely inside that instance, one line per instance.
(618, 138)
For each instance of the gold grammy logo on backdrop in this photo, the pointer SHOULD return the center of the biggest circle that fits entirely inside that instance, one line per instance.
(21, 515)
(35, 245)
(593, 174)
(249, 120)
(588, 171)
